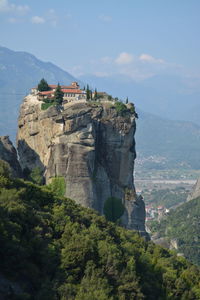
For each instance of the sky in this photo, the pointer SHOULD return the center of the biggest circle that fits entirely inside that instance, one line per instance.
(135, 38)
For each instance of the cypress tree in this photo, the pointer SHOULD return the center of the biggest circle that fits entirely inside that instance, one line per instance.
(58, 96)
(88, 93)
(95, 94)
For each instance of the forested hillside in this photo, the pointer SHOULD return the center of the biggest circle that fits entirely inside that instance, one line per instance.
(182, 224)
(52, 248)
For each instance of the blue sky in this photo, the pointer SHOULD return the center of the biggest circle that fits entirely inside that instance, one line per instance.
(135, 38)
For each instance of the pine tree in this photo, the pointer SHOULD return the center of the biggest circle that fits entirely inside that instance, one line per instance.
(88, 93)
(127, 100)
(58, 96)
(95, 94)
(43, 85)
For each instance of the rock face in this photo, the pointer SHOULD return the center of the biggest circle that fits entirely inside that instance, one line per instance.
(195, 193)
(91, 146)
(8, 153)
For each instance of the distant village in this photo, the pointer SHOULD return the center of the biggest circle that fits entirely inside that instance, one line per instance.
(155, 213)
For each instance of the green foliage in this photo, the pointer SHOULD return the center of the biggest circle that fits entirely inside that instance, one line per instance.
(58, 95)
(109, 97)
(88, 93)
(127, 100)
(57, 186)
(55, 249)
(132, 109)
(5, 173)
(36, 176)
(121, 108)
(4, 169)
(113, 209)
(47, 103)
(165, 197)
(95, 95)
(43, 85)
(45, 106)
(182, 224)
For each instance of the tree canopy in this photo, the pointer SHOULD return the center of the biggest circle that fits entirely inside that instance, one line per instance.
(113, 209)
(52, 248)
(58, 95)
(43, 85)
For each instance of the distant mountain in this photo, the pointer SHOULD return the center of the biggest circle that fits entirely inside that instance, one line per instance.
(175, 144)
(169, 96)
(178, 142)
(19, 71)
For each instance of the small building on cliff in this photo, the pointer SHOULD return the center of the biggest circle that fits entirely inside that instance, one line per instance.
(71, 92)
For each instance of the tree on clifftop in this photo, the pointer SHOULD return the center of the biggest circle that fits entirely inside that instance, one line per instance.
(88, 93)
(95, 95)
(58, 96)
(43, 85)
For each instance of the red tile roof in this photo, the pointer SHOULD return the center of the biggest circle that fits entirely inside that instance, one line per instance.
(46, 93)
(73, 91)
(54, 86)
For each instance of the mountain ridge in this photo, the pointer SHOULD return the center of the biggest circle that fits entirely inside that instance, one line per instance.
(17, 78)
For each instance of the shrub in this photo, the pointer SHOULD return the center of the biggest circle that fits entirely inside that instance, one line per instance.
(4, 169)
(44, 106)
(113, 209)
(121, 108)
(57, 186)
(36, 176)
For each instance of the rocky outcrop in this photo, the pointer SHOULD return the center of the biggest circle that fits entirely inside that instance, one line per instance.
(91, 145)
(8, 153)
(195, 193)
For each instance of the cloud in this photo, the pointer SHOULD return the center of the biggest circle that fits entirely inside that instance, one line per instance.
(6, 7)
(37, 20)
(105, 18)
(13, 20)
(106, 60)
(135, 67)
(124, 58)
(51, 17)
(150, 59)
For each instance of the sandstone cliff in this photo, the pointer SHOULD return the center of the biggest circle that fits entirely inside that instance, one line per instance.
(91, 145)
(195, 193)
(8, 153)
